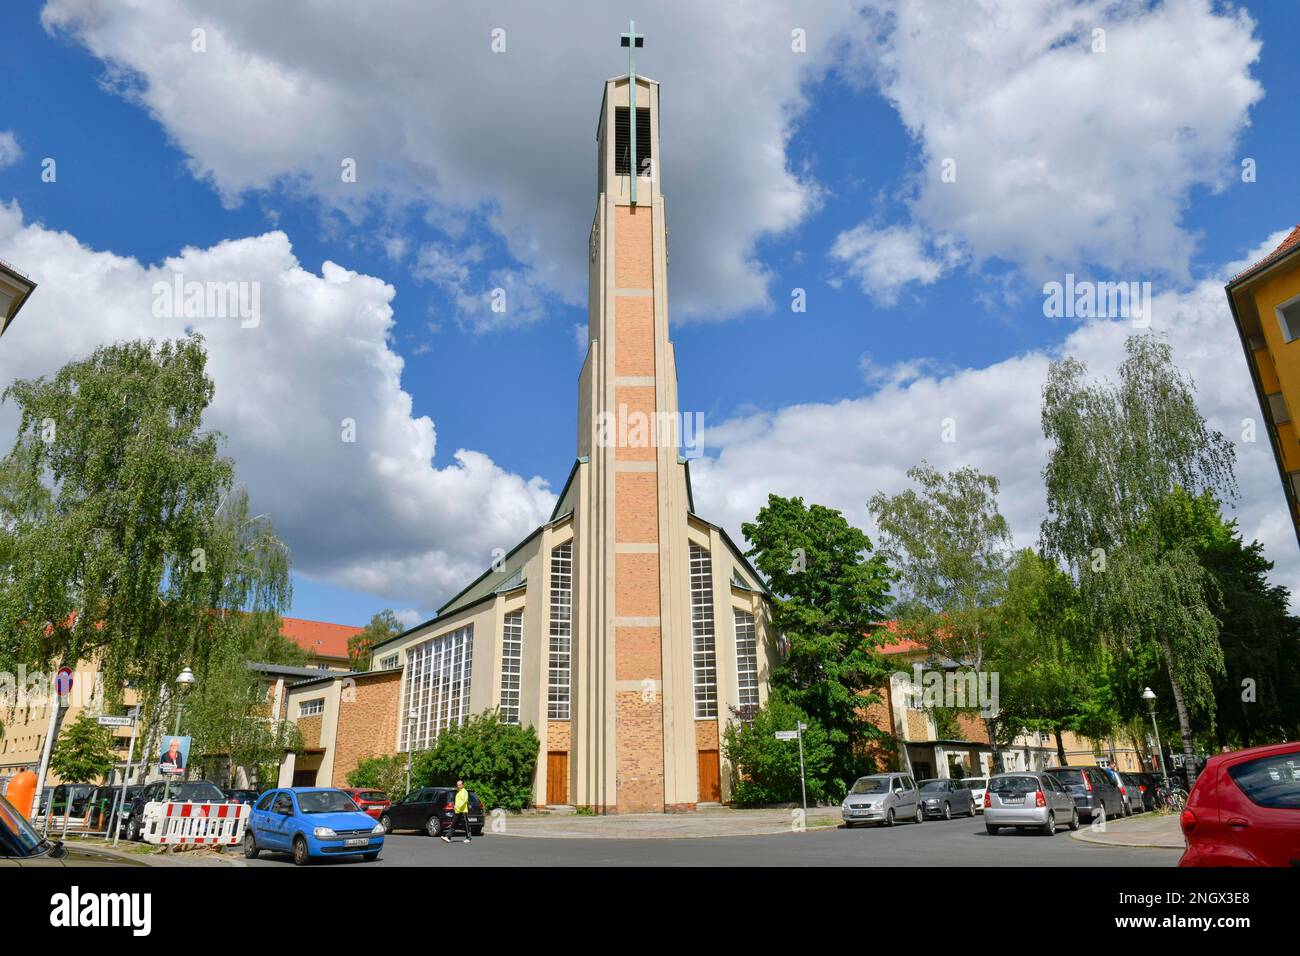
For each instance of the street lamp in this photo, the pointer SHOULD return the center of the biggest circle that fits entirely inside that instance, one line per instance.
(1149, 696)
(184, 683)
(410, 743)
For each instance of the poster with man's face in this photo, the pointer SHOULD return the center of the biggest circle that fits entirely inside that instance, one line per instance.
(175, 755)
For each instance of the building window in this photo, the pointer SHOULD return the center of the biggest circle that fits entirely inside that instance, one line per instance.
(746, 662)
(512, 643)
(437, 687)
(561, 659)
(312, 708)
(622, 137)
(388, 663)
(703, 660)
(1288, 317)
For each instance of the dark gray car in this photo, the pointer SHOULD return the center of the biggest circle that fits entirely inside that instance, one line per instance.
(946, 798)
(1095, 794)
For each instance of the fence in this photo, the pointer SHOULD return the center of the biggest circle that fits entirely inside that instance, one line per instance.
(209, 824)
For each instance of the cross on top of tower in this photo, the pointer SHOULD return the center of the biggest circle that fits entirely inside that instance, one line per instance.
(631, 38)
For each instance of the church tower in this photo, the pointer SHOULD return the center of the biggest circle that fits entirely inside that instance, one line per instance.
(627, 631)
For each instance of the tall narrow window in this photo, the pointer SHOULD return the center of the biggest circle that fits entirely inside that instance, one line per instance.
(512, 642)
(437, 687)
(704, 662)
(746, 661)
(557, 698)
(623, 145)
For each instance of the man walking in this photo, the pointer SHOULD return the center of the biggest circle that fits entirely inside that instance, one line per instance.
(460, 813)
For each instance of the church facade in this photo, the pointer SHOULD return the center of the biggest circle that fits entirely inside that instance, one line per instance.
(627, 630)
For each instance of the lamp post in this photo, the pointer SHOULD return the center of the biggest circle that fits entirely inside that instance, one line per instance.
(1149, 696)
(184, 682)
(410, 743)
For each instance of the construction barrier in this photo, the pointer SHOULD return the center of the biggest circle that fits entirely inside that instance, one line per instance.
(210, 824)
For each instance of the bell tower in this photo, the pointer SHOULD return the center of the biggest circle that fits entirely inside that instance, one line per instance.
(635, 739)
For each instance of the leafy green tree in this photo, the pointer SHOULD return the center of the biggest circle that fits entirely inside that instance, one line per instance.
(495, 759)
(1117, 451)
(84, 752)
(381, 627)
(123, 540)
(950, 542)
(386, 772)
(766, 770)
(829, 594)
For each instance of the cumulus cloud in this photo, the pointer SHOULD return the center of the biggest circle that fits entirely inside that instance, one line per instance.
(1059, 156)
(10, 151)
(390, 513)
(413, 92)
(883, 261)
(840, 453)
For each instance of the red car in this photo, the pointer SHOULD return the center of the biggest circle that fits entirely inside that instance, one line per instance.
(1244, 809)
(372, 802)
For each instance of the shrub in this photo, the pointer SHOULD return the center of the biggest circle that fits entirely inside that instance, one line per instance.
(387, 773)
(766, 770)
(495, 759)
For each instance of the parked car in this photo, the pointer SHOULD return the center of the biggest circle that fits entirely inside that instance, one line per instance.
(1244, 809)
(248, 797)
(1095, 794)
(311, 823)
(191, 791)
(124, 811)
(944, 798)
(1148, 789)
(99, 806)
(881, 798)
(1121, 785)
(977, 787)
(67, 799)
(371, 802)
(1028, 800)
(430, 809)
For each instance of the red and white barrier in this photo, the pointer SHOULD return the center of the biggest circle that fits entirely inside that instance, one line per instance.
(210, 824)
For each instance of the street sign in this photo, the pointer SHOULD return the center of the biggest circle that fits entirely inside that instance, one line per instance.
(107, 721)
(786, 734)
(63, 682)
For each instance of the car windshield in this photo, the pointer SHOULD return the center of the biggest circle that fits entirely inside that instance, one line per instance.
(1272, 782)
(977, 783)
(373, 795)
(325, 801)
(871, 785)
(1013, 784)
(17, 829)
(933, 786)
(196, 792)
(1071, 778)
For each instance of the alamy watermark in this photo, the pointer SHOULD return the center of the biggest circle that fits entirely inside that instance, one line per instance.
(926, 688)
(180, 299)
(1085, 299)
(636, 429)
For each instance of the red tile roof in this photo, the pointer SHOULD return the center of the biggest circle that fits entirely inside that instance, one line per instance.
(1287, 244)
(318, 637)
(899, 645)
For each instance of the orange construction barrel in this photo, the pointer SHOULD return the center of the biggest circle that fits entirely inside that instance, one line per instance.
(20, 792)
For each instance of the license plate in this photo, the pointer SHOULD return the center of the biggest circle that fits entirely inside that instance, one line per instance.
(356, 841)
(1013, 799)
(861, 812)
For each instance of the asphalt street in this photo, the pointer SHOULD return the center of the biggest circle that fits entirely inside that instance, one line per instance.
(959, 842)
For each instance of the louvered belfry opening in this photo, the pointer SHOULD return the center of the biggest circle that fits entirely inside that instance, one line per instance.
(621, 141)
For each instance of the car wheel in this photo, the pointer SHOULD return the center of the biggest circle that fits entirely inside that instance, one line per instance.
(133, 830)
(889, 817)
(992, 830)
(920, 814)
(387, 823)
(1049, 827)
(477, 831)
(370, 857)
(947, 811)
(301, 857)
(1074, 819)
(433, 826)
(250, 845)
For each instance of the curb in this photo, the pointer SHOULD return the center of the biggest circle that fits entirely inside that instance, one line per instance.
(1084, 835)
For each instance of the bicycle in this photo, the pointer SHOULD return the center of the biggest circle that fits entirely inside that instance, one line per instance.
(1173, 796)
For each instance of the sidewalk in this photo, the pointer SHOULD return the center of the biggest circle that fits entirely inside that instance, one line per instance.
(1144, 829)
(91, 852)
(720, 822)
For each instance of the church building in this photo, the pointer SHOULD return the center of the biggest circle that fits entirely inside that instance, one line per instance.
(627, 630)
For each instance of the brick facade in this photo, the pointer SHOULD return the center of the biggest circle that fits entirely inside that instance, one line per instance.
(367, 724)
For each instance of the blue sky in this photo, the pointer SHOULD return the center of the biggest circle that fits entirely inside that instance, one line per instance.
(146, 169)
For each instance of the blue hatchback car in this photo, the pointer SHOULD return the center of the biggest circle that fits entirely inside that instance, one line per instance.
(311, 823)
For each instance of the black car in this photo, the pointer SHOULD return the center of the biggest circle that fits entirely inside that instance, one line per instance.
(1148, 787)
(67, 799)
(191, 791)
(242, 796)
(430, 809)
(1095, 794)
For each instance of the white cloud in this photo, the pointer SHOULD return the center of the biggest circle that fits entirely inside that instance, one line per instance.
(839, 454)
(413, 92)
(10, 151)
(885, 260)
(384, 514)
(1065, 158)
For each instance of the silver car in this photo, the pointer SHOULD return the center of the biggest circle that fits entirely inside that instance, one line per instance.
(881, 798)
(1029, 800)
(945, 798)
(977, 787)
